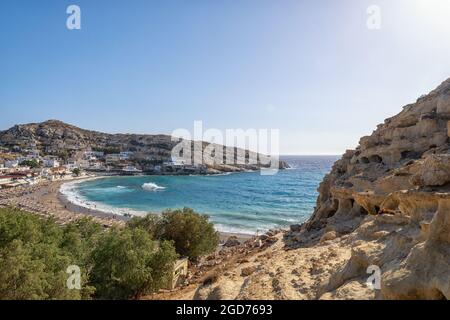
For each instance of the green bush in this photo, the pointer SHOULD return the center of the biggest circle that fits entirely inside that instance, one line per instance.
(33, 164)
(128, 264)
(34, 258)
(114, 263)
(192, 233)
(152, 223)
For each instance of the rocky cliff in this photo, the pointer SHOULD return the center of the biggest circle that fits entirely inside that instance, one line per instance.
(395, 189)
(385, 206)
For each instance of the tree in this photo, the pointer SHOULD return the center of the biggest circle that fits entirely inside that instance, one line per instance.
(33, 259)
(152, 223)
(63, 154)
(117, 263)
(21, 276)
(127, 263)
(33, 164)
(80, 237)
(192, 233)
(76, 171)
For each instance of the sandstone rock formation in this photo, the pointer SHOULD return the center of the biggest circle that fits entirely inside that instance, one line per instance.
(401, 175)
(384, 205)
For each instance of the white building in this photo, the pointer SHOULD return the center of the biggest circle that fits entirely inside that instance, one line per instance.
(131, 169)
(71, 165)
(33, 154)
(5, 180)
(51, 163)
(33, 180)
(175, 162)
(93, 155)
(97, 166)
(112, 158)
(11, 163)
(126, 155)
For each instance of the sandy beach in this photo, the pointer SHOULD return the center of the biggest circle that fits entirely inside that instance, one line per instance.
(46, 200)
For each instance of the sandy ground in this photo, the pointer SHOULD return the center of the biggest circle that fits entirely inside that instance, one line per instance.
(278, 273)
(45, 199)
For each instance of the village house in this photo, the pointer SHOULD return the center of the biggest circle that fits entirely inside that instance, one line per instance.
(71, 165)
(51, 162)
(178, 165)
(33, 179)
(56, 173)
(93, 155)
(112, 159)
(14, 180)
(126, 155)
(5, 180)
(32, 155)
(131, 169)
(96, 165)
(11, 163)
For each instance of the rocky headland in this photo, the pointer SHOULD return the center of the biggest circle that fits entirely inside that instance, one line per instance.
(144, 151)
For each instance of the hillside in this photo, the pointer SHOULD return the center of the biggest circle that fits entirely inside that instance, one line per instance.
(57, 138)
(384, 205)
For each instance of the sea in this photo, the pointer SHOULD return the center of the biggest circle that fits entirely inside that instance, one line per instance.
(245, 202)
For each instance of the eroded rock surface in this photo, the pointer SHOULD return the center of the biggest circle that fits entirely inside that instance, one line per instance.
(385, 204)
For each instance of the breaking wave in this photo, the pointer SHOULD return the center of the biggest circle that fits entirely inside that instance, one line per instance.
(70, 192)
(150, 186)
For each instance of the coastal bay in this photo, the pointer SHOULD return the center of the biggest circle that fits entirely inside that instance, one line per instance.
(242, 203)
(45, 199)
(268, 198)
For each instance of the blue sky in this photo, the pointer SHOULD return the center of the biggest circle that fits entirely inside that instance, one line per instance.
(309, 68)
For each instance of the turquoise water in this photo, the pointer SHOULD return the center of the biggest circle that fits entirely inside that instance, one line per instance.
(239, 202)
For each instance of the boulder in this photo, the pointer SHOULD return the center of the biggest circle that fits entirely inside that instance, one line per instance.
(232, 241)
(295, 227)
(245, 272)
(330, 235)
(433, 171)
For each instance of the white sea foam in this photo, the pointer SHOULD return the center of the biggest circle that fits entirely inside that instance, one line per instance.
(150, 186)
(228, 229)
(221, 174)
(69, 190)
